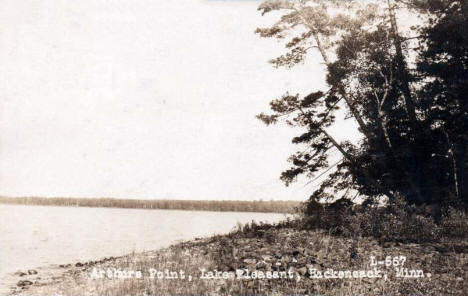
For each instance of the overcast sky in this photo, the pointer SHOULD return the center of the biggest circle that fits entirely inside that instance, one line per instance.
(143, 99)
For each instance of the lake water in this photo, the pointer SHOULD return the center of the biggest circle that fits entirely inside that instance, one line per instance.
(33, 236)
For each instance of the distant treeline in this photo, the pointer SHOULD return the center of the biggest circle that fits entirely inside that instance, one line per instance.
(195, 205)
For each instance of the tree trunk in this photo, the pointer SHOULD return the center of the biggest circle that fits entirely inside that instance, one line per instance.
(367, 175)
(461, 157)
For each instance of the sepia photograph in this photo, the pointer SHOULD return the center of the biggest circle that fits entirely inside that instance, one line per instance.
(233, 147)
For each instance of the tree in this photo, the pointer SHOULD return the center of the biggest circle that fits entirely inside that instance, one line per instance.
(411, 114)
(444, 62)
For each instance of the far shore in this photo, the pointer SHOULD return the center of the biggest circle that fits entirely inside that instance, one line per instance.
(260, 206)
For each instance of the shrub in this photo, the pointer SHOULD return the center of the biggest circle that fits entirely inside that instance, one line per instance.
(394, 222)
(455, 224)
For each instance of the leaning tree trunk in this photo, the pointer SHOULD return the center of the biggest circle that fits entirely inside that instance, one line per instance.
(461, 156)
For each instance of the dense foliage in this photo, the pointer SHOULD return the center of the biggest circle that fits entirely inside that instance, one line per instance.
(405, 88)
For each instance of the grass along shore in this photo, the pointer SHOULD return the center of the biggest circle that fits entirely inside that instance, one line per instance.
(280, 249)
(192, 205)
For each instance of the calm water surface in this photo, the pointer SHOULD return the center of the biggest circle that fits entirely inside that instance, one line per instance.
(32, 236)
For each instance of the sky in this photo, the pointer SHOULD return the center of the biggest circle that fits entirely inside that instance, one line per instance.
(144, 99)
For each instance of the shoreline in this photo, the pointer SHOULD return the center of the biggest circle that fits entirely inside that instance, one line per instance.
(264, 249)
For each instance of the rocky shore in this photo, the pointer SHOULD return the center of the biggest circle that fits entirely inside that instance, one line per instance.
(304, 262)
